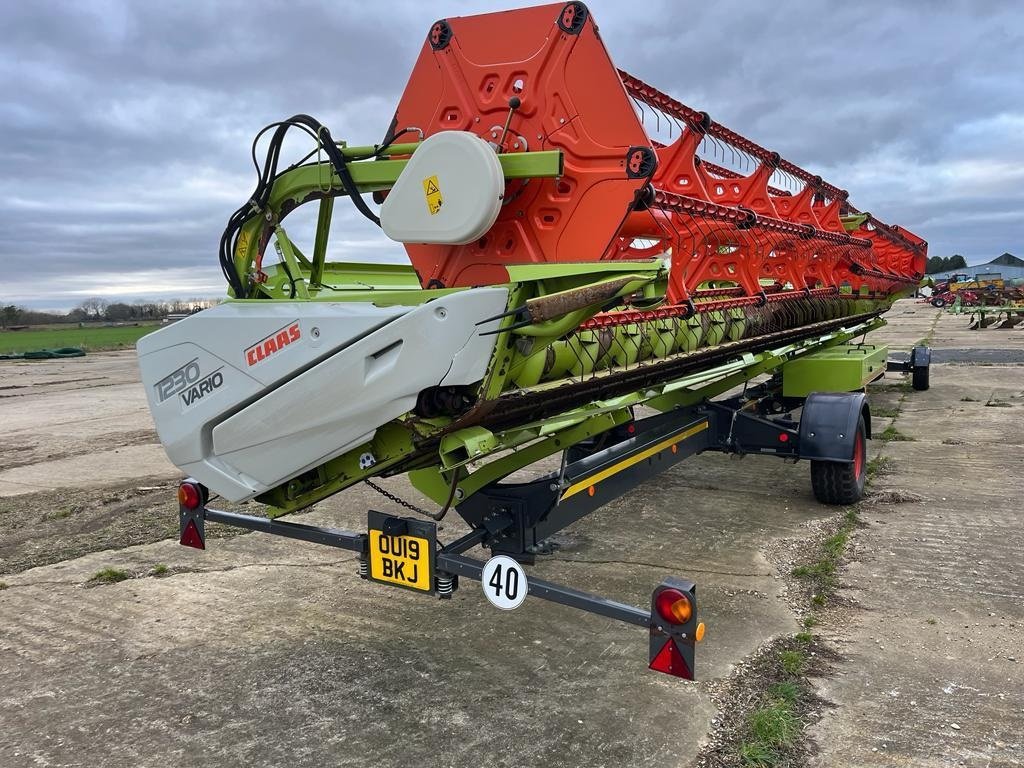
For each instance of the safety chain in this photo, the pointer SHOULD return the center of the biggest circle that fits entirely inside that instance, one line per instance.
(399, 501)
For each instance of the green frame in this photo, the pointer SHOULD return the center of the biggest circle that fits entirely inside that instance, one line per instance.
(319, 182)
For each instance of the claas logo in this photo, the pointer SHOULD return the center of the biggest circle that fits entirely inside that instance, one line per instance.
(275, 342)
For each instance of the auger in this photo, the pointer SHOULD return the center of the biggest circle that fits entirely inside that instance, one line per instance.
(580, 244)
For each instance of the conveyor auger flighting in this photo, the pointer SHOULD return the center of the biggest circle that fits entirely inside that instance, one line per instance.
(579, 245)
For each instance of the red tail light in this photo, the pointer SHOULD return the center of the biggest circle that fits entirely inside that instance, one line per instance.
(674, 628)
(673, 606)
(189, 496)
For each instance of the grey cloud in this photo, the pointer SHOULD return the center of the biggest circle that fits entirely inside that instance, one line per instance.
(125, 126)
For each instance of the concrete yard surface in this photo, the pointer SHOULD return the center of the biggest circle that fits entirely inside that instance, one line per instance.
(933, 670)
(261, 651)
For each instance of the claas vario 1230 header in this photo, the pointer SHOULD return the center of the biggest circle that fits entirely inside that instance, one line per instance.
(595, 270)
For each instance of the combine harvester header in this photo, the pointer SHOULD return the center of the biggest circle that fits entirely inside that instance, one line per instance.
(580, 244)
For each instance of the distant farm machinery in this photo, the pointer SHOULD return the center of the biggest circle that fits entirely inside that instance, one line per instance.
(580, 244)
(1000, 309)
(989, 300)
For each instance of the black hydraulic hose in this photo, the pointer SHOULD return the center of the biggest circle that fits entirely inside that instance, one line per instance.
(337, 159)
(264, 186)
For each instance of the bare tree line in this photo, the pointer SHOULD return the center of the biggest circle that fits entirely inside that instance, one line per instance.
(97, 309)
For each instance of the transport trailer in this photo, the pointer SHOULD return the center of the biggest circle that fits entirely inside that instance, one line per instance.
(780, 417)
(584, 251)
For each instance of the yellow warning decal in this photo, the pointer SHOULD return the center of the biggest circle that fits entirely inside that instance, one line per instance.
(432, 191)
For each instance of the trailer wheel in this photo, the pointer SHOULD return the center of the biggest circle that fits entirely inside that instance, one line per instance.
(939, 302)
(839, 482)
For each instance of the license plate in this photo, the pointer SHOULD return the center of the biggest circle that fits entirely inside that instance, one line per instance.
(402, 551)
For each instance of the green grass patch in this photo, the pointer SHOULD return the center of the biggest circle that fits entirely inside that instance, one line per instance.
(160, 570)
(774, 725)
(810, 621)
(819, 569)
(893, 435)
(820, 573)
(3, 585)
(89, 338)
(787, 691)
(793, 661)
(758, 755)
(880, 465)
(835, 545)
(782, 701)
(804, 638)
(771, 730)
(110, 576)
(884, 412)
(907, 385)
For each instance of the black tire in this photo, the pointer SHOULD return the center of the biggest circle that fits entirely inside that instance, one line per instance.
(842, 483)
(939, 302)
(919, 378)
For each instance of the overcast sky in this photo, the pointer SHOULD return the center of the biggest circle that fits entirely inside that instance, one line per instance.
(125, 126)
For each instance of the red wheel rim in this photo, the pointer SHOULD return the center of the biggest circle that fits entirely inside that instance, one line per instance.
(858, 455)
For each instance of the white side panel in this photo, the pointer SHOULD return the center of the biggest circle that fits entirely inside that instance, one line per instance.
(339, 403)
(207, 366)
(450, 192)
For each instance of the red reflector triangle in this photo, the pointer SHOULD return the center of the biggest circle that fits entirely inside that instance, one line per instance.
(190, 536)
(670, 661)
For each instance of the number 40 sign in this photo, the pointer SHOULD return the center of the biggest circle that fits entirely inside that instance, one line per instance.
(504, 582)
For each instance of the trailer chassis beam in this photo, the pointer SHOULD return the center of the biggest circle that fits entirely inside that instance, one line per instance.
(451, 561)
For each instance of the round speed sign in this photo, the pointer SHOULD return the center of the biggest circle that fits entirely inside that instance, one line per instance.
(504, 582)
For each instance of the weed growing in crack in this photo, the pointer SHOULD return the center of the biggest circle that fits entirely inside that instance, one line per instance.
(880, 466)
(883, 412)
(994, 402)
(793, 661)
(821, 573)
(109, 576)
(891, 434)
(787, 690)
(772, 729)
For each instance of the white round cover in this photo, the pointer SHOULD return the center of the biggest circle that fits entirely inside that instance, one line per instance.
(449, 193)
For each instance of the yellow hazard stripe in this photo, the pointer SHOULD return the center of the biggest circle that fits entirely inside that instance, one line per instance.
(604, 474)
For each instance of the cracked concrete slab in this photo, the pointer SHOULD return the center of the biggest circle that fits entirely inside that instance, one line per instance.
(267, 652)
(76, 423)
(933, 670)
(264, 651)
